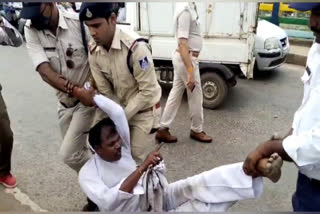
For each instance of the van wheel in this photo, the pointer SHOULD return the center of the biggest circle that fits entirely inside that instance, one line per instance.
(214, 90)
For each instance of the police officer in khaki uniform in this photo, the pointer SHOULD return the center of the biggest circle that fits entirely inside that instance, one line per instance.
(8, 36)
(186, 76)
(138, 90)
(55, 45)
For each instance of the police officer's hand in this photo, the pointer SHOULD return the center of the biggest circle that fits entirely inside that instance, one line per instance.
(264, 150)
(69, 86)
(85, 95)
(250, 164)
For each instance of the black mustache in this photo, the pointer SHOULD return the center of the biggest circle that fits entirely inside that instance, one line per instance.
(316, 30)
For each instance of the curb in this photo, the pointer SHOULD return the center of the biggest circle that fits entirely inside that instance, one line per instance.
(296, 59)
(301, 42)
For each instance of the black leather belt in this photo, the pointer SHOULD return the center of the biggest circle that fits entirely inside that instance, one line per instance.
(74, 104)
(315, 182)
(312, 181)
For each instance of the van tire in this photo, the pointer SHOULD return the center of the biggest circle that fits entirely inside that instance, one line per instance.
(211, 82)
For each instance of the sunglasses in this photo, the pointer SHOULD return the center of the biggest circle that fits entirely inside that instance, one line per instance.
(69, 53)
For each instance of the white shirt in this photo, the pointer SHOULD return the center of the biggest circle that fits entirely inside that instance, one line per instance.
(187, 25)
(303, 146)
(100, 180)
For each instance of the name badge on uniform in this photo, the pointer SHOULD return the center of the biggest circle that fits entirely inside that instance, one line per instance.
(144, 63)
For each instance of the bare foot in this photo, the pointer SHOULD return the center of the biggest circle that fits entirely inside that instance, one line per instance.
(271, 167)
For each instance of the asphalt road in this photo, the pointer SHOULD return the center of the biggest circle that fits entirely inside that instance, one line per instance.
(254, 110)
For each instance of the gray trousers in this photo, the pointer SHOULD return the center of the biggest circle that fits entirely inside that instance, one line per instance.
(195, 99)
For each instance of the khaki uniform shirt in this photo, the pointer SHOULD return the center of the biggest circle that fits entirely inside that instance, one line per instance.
(188, 27)
(43, 46)
(135, 92)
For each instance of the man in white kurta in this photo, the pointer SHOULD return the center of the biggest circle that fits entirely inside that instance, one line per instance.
(214, 190)
(302, 143)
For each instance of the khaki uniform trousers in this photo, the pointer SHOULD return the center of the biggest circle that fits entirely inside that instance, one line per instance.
(75, 122)
(195, 98)
(6, 139)
(142, 142)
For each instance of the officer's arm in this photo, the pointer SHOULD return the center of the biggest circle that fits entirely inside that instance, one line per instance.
(101, 82)
(41, 61)
(54, 79)
(183, 34)
(146, 78)
(183, 47)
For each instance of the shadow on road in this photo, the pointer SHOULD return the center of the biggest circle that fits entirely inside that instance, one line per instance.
(266, 75)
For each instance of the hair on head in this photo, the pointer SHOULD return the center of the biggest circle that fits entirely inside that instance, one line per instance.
(95, 131)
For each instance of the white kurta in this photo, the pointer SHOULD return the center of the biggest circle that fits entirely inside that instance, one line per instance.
(213, 190)
(303, 146)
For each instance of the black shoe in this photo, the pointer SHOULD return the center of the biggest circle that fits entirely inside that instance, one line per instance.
(90, 207)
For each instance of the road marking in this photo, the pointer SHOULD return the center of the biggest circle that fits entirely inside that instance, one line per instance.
(24, 199)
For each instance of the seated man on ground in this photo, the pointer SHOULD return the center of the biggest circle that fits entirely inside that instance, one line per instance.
(112, 180)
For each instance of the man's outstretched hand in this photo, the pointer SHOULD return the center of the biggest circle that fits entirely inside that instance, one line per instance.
(153, 158)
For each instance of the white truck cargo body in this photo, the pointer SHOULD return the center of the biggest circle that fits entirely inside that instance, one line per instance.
(228, 29)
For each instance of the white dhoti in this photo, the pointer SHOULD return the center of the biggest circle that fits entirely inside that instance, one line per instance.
(213, 190)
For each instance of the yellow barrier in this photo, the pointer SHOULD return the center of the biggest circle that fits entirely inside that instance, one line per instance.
(283, 8)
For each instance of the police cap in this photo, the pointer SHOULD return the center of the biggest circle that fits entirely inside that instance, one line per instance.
(93, 10)
(30, 10)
